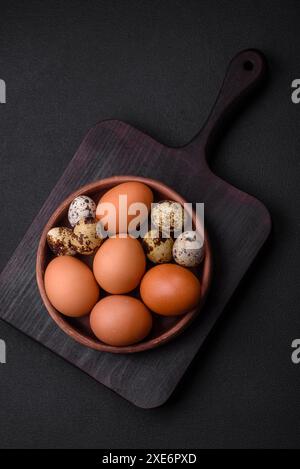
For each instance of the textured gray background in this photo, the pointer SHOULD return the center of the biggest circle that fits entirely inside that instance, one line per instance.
(157, 65)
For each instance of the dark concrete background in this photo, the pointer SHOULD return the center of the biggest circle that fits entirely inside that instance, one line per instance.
(157, 65)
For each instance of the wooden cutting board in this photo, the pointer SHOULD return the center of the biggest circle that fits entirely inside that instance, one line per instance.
(237, 223)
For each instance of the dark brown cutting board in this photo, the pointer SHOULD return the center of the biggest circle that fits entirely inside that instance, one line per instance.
(238, 225)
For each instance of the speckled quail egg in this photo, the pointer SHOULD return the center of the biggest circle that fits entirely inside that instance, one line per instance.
(168, 216)
(60, 241)
(86, 240)
(101, 230)
(157, 248)
(188, 249)
(81, 208)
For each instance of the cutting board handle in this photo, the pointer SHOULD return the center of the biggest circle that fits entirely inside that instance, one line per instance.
(245, 72)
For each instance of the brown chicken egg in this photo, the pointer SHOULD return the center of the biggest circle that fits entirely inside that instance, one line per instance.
(71, 286)
(170, 290)
(120, 320)
(119, 264)
(122, 197)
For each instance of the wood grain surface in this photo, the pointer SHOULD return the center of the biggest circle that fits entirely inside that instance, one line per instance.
(238, 224)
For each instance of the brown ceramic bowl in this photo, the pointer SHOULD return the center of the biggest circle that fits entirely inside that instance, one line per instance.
(164, 328)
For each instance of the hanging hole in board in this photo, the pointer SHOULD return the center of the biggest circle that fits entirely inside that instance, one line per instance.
(248, 65)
